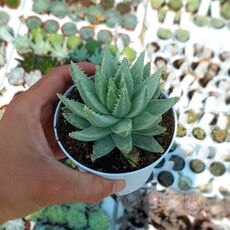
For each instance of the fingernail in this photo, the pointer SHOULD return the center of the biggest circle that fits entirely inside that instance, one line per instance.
(118, 186)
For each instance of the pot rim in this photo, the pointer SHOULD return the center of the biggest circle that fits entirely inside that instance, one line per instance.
(56, 116)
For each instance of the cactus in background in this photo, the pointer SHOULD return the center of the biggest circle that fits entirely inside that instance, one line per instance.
(13, 4)
(175, 4)
(98, 220)
(122, 107)
(41, 6)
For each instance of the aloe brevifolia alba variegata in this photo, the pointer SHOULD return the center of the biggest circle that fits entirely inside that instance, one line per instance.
(121, 107)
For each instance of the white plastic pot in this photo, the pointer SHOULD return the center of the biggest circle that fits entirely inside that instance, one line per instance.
(135, 179)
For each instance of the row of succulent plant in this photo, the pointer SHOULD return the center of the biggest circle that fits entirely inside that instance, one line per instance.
(94, 14)
(180, 35)
(71, 216)
(12, 4)
(172, 210)
(191, 6)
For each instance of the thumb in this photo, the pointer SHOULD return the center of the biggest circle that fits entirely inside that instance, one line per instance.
(64, 185)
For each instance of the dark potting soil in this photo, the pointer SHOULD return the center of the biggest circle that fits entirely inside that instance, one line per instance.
(114, 162)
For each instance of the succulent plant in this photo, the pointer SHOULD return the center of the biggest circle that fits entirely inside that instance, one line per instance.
(161, 14)
(125, 39)
(199, 133)
(112, 17)
(59, 9)
(17, 224)
(197, 166)
(129, 21)
(2, 55)
(192, 6)
(73, 42)
(98, 220)
(217, 23)
(16, 76)
(124, 7)
(51, 26)
(175, 4)
(39, 43)
(164, 33)
(4, 18)
(104, 36)
(177, 18)
(165, 178)
(157, 4)
(86, 32)
(33, 22)
(95, 14)
(201, 20)
(219, 135)
(123, 109)
(182, 35)
(76, 219)
(69, 29)
(107, 4)
(184, 184)
(96, 58)
(225, 10)
(70, 164)
(130, 53)
(60, 53)
(179, 162)
(217, 168)
(32, 77)
(56, 39)
(12, 3)
(191, 116)
(181, 131)
(92, 45)
(41, 6)
(33, 62)
(22, 44)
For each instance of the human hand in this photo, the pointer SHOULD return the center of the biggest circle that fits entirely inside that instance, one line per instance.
(30, 175)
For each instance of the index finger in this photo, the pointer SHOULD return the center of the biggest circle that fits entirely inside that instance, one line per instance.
(56, 82)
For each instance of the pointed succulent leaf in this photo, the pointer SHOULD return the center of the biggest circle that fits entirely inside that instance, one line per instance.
(137, 69)
(108, 66)
(102, 147)
(76, 107)
(147, 143)
(127, 76)
(124, 144)
(151, 82)
(65, 109)
(99, 120)
(86, 89)
(123, 128)
(100, 85)
(123, 104)
(157, 92)
(111, 96)
(147, 70)
(117, 77)
(139, 103)
(144, 121)
(132, 157)
(77, 122)
(90, 134)
(153, 131)
(160, 106)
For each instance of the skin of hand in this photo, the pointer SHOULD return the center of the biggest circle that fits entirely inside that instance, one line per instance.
(31, 177)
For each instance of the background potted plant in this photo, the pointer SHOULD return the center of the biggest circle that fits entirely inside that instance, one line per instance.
(118, 126)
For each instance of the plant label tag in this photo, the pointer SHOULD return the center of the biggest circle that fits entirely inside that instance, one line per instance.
(169, 20)
(185, 20)
(204, 7)
(215, 9)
